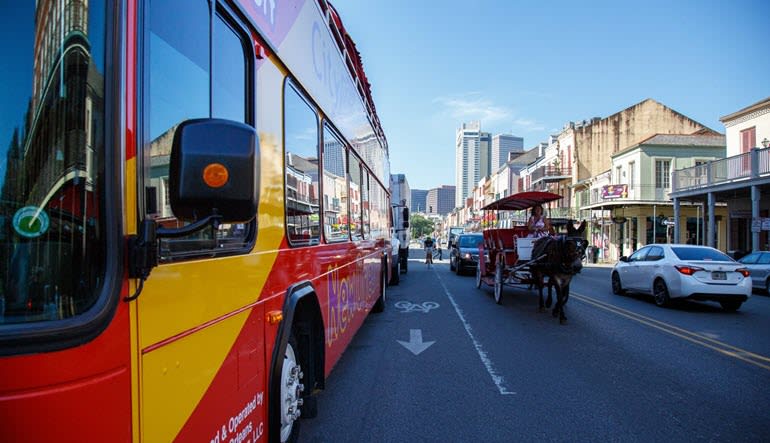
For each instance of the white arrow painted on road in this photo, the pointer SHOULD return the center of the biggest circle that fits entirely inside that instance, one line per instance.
(415, 343)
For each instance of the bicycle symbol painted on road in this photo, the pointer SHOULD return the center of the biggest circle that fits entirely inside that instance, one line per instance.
(407, 307)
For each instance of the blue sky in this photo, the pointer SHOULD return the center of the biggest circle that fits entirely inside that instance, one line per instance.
(527, 68)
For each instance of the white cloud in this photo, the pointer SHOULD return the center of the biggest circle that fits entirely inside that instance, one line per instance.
(472, 106)
(527, 124)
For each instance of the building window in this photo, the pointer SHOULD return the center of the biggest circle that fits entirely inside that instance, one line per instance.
(662, 174)
(631, 174)
(748, 139)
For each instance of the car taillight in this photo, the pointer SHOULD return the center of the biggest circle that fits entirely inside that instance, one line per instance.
(688, 270)
(745, 272)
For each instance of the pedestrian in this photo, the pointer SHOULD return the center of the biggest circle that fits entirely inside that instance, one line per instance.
(440, 251)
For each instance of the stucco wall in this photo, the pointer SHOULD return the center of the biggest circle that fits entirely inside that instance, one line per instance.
(596, 142)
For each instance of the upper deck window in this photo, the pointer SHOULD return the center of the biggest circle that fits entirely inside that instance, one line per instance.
(335, 188)
(302, 166)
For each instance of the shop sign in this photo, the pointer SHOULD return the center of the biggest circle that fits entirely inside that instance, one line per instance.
(614, 191)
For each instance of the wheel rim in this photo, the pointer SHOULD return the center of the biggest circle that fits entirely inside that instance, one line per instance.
(291, 392)
(661, 293)
(498, 284)
(478, 276)
(616, 284)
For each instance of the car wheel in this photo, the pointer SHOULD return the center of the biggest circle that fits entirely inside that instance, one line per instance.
(617, 288)
(478, 276)
(660, 293)
(730, 306)
(767, 286)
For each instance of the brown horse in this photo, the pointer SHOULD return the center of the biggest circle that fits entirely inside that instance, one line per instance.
(558, 258)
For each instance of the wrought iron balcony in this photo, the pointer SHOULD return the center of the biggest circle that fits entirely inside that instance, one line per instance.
(753, 164)
(550, 173)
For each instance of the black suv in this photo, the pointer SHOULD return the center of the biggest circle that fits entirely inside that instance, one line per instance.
(464, 252)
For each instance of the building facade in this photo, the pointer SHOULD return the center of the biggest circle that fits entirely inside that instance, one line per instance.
(741, 182)
(629, 204)
(418, 200)
(472, 159)
(502, 146)
(440, 201)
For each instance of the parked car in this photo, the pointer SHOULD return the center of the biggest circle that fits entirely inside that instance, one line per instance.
(464, 252)
(669, 272)
(758, 264)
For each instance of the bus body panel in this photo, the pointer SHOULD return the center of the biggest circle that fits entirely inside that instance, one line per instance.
(190, 358)
(53, 396)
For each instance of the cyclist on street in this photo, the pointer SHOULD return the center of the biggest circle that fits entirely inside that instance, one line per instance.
(428, 244)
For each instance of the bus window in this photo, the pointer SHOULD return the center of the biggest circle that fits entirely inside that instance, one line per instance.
(365, 203)
(302, 190)
(191, 74)
(354, 175)
(53, 249)
(335, 188)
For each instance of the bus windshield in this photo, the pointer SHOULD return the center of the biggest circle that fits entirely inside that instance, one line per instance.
(51, 160)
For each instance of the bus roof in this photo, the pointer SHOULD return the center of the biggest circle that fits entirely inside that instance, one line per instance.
(522, 200)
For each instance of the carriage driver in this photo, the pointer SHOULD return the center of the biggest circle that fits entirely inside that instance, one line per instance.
(538, 225)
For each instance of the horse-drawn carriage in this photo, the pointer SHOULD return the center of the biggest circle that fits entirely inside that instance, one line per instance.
(509, 256)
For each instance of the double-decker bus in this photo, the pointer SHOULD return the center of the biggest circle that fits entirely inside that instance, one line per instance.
(194, 217)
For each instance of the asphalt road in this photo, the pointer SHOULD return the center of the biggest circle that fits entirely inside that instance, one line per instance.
(445, 363)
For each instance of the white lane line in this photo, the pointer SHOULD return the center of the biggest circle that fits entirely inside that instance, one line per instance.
(496, 378)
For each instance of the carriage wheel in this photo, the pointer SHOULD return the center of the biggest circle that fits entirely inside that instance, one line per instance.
(498, 283)
(478, 275)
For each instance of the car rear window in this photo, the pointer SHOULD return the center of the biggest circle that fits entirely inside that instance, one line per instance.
(471, 241)
(700, 254)
(764, 259)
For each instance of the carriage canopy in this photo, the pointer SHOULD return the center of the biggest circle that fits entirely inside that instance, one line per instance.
(522, 200)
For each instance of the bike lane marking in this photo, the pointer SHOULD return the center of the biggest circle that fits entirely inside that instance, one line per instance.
(406, 307)
(496, 378)
(693, 337)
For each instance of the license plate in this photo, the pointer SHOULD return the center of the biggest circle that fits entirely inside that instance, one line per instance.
(718, 275)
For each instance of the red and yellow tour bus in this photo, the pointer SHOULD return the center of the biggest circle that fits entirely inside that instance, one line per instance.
(194, 218)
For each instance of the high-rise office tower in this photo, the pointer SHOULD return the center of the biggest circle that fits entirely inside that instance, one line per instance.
(502, 146)
(441, 200)
(473, 159)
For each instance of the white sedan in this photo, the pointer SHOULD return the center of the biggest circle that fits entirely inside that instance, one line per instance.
(674, 271)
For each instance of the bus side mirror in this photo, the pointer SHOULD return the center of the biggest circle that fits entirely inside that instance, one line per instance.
(213, 178)
(406, 217)
(214, 170)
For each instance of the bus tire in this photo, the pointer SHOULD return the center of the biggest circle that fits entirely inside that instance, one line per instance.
(379, 305)
(395, 273)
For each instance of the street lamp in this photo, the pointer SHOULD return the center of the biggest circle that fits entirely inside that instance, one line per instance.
(765, 142)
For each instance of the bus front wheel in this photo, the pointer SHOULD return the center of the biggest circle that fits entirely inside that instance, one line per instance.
(291, 392)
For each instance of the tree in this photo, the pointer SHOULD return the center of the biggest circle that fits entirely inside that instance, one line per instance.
(420, 225)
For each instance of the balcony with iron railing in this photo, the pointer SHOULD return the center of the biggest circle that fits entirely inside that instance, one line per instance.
(621, 194)
(735, 169)
(550, 173)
